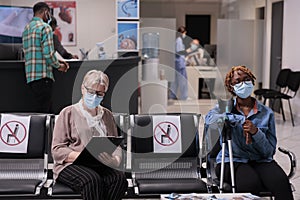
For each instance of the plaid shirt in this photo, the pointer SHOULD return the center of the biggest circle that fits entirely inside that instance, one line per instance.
(39, 50)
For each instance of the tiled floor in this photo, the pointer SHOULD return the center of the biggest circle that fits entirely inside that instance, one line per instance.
(287, 135)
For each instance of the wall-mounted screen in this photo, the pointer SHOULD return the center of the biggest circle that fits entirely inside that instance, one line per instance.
(13, 19)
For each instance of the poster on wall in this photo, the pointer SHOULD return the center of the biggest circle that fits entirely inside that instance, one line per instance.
(65, 14)
(128, 36)
(128, 9)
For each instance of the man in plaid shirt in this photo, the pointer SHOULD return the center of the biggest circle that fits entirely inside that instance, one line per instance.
(40, 56)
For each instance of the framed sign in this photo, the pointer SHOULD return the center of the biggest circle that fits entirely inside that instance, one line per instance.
(128, 9)
(128, 36)
(65, 14)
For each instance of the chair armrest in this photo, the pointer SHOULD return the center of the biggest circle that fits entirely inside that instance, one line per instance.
(49, 184)
(40, 186)
(292, 158)
(134, 183)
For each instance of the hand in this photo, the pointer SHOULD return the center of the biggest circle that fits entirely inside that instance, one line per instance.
(112, 161)
(72, 156)
(63, 66)
(189, 50)
(75, 57)
(249, 127)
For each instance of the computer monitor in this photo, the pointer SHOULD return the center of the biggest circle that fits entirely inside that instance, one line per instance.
(10, 51)
(13, 19)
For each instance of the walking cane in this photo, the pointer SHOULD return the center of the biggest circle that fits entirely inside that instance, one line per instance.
(226, 138)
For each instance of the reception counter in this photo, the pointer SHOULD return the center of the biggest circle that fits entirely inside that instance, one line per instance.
(194, 73)
(122, 95)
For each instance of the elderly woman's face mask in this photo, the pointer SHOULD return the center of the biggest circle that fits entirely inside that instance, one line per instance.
(92, 98)
(91, 101)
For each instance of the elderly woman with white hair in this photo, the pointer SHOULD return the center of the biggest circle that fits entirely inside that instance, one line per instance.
(74, 127)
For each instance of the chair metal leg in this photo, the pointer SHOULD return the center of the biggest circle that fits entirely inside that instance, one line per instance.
(272, 103)
(265, 99)
(282, 111)
(291, 113)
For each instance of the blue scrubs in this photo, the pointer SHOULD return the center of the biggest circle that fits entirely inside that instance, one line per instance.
(180, 83)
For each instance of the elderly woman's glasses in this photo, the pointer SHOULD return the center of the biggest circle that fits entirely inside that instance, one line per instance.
(92, 92)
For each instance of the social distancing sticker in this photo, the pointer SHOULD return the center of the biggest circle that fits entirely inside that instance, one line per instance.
(166, 134)
(14, 133)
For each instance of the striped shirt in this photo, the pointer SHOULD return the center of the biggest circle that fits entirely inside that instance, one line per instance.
(39, 50)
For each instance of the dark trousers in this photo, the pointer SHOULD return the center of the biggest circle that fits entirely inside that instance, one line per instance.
(257, 177)
(42, 90)
(94, 183)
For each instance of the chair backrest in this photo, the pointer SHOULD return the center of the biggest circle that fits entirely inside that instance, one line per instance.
(143, 141)
(294, 81)
(32, 164)
(50, 136)
(282, 77)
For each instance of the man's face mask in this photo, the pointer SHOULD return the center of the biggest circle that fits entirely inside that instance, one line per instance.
(243, 89)
(48, 17)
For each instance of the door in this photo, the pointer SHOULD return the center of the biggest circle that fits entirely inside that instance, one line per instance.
(276, 45)
(198, 27)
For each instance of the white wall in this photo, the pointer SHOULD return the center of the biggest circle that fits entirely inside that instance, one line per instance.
(96, 22)
(178, 10)
(291, 33)
(246, 9)
(291, 44)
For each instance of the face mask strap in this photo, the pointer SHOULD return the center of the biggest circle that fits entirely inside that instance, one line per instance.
(48, 16)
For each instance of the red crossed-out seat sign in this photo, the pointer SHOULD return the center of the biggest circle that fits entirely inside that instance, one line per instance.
(13, 133)
(166, 133)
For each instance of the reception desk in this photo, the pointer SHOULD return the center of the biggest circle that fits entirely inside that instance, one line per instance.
(194, 73)
(122, 94)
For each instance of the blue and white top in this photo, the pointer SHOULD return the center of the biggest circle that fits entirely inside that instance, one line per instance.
(263, 146)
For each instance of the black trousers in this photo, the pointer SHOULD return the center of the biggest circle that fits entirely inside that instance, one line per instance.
(257, 177)
(95, 183)
(42, 90)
